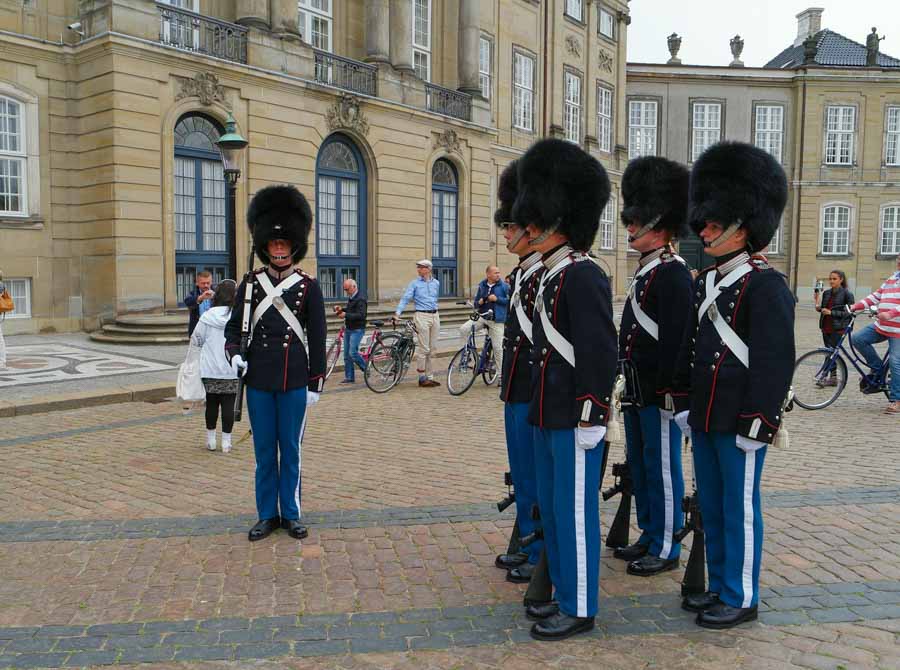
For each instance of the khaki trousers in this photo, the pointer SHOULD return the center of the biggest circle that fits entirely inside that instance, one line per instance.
(495, 331)
(429, 328)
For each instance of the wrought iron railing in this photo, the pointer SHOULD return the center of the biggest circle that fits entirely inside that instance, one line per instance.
(345, 73)
(187, 30)
(447, 101)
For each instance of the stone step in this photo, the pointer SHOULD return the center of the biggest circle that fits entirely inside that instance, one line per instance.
(120, 338)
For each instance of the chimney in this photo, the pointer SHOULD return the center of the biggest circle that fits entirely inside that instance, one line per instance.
(809, 22)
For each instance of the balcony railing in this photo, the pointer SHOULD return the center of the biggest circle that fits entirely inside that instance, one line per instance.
(202, 34)
(448, 102)
(345, 73)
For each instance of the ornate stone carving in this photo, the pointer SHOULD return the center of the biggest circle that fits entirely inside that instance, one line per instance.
(346, 113)
(605, 60)
(204, 85)
(573, 46)
(674, 42)
(447, 139)
(737, 48)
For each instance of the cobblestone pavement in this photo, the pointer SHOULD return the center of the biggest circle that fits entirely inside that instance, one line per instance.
(122, 541)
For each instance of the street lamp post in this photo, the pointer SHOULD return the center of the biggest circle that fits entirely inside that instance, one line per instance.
(231, 146)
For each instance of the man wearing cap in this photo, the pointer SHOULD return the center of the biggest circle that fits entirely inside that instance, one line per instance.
(424, 292)
(734, 369)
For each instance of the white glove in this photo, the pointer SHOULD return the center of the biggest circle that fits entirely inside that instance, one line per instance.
(311, 398)
(747, 445)
(589, 437)
(238, 365)
(682, 420)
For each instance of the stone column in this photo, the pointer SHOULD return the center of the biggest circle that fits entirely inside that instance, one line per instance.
(285, 16)
(252, 13)
(469, 48)
(378, 31)
(401, 35)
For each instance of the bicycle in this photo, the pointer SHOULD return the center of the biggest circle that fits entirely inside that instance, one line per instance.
(390, 358)
(467, 363)
(333, 355)
(820, 375)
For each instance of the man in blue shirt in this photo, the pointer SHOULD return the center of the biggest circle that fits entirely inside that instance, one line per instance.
(424, 291)
(492, 296)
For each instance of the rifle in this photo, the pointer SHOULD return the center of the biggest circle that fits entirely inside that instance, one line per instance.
(514, 542)
(694, 580)
(619, 530)
(245, 335)
(540, 588)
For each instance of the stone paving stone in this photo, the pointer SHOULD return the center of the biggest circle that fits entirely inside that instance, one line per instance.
(262, 650)
(242, 636)
(37, 660)
(204, 654)
(321, 648)
(878, 611)
(30, 645)
(133, 641)
(149, 655)
(86, 658)
(302, 633)
(834, 615)
(80, 643)
(368, 646)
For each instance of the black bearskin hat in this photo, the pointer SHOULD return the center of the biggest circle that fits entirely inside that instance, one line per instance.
(506, 193)
(279, 212)
(562, 186)
(653, 186)
(736, 182)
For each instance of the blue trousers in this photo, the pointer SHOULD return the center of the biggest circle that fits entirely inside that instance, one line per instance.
(728, 485)
(352, 338)
(568, 479)
(278, 420)
(520, 448)
(863, 341)
(653, 445)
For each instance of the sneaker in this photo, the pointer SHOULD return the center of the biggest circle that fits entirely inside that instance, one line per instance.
(211, 440)
(893, 407)
(348, 381)
(226, 443)
(832, 381)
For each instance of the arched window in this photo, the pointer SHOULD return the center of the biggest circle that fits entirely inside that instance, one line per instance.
(444, 225)
(203, 236)
(340, 216)
(836, 222)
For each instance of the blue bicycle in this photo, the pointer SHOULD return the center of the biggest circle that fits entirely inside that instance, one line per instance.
(468, 362)
(821, 375)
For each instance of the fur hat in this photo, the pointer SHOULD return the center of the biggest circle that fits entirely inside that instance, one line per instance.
(506, 193)
(279, 212)
(734, 182)
(563, 187)
(652, 187)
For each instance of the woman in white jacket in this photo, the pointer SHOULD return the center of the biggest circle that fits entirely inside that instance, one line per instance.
(218, 378)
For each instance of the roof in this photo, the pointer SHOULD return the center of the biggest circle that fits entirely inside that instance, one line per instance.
(831, 49)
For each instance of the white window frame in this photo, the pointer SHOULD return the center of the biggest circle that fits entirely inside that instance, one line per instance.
(605, 105)
(19, 311)
(643, 137)
(29, 127)
(777, 242)
(839, 137)
(892, 136)
(523, 92)
(606, 233)
(612, 24)
(485, 78)
(895, 230)
(822, 227)
(766, 135)
(703, 137)
(574, 9)
(572, 105)
(419, 49)
(307, 13)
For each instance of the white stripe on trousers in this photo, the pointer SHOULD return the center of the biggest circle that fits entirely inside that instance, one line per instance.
(580, 539)
(747, 568)
(299, 453)
(666, 463)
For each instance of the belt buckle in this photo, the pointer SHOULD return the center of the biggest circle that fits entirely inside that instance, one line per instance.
(278, 301)
(712, 312)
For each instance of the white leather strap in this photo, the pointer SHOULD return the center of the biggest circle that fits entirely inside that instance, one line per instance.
(731, 339)
(248, 297)
(272, 293)
(563, 347)
(647, 323)
(524, 322)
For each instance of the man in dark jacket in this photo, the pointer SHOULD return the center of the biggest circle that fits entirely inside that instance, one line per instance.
(354, 328)
(199, 299)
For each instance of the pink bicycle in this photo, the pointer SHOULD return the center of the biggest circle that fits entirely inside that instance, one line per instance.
(333, 355)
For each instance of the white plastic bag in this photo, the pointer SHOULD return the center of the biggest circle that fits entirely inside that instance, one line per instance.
(189, 387)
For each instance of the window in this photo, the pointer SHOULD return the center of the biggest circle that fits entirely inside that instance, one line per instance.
(13, 159)
(315, 23)
(840, 123)
(777, 241)
(523, 91)
(641, 128)
(20, 292)
(606, 235)
(484, 67)
(892, 137)
(769, 133)
(706, 127)
(606, 24)
(572, 120)
(421, 38)
(574, 9)
(444, 225)
(890, 231)
(604, 118)
(836, 230)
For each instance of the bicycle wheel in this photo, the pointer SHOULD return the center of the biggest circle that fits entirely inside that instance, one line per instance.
(332, 356)
(383, 370)
(385, 342)
(887, 385)
(462, 371)
(490, 374)
(819, 378)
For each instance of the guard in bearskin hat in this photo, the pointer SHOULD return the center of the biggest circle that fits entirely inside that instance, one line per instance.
(282, 309)
(735, 367)
(657, 308)
(515, 381)
(562, 193)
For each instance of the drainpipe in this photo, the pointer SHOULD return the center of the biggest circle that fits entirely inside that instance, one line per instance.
(795, 231)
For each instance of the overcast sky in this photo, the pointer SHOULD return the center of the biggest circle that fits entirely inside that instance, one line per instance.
(767, 26)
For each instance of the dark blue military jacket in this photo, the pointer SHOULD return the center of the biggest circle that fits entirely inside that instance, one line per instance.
(578, 302)
(277, 359)
(515, 382)
(721, 393)
(664, 294)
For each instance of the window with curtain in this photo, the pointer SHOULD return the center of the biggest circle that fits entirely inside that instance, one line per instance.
(314, 23)
(606, 24)
(575, 9)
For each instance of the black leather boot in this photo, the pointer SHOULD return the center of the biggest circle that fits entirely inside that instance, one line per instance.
(539, 611)
(294, 528)
(262, 529)
(651, 565)
(698, 602)
(559, 626)
(721, 616)
(521, 574)
(508, 561)
(632, 552)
